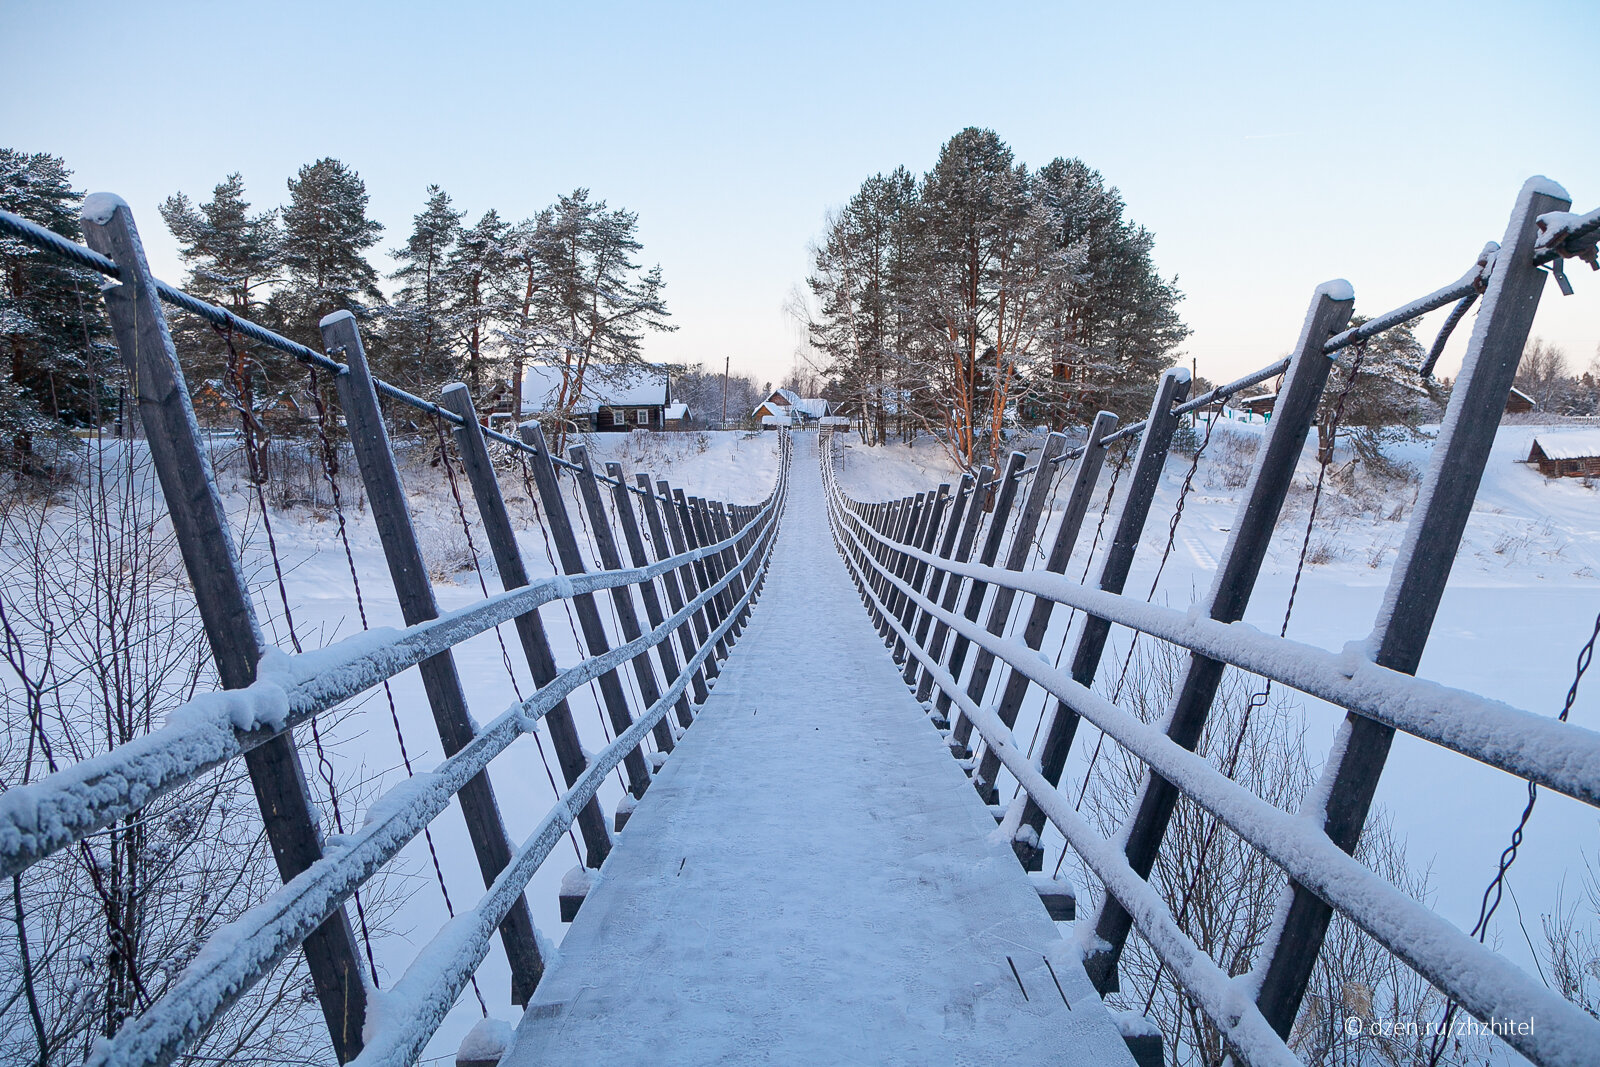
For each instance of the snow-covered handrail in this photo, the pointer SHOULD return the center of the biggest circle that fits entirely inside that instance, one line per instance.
(1561, 756)
(239, 954)
(1481, 980)
(43, 817)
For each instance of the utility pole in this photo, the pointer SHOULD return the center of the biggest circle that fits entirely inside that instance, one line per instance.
(726, 360)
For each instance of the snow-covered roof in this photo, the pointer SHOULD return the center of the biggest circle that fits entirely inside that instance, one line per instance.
(675, 411)
(1574, 444)
(814, 406)
(604, 385)
(778, 398)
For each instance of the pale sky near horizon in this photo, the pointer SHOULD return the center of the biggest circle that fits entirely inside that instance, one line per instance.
(1268, 146)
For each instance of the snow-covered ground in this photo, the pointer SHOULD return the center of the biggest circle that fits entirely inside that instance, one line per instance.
(1522, 600)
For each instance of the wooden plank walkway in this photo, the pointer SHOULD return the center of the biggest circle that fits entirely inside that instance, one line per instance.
(811, 878)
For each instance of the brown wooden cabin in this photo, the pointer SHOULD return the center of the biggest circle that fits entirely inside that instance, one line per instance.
(1567, 455)
(1518, 402)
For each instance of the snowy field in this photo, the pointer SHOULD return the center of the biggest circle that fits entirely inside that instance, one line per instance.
(1521, 601)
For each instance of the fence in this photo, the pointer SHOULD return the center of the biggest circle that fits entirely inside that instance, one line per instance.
(707, 560)
(927, 603)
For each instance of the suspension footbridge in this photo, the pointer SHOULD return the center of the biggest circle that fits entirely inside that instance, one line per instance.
(810, 700)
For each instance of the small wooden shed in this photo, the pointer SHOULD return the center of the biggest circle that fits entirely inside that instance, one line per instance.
(1567, 455)
(1518, 402)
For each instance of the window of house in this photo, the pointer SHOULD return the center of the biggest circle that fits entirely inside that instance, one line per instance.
(642, 416)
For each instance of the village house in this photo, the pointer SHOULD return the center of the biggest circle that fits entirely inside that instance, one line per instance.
(615, 399)
(1574, 454)
(787, 404)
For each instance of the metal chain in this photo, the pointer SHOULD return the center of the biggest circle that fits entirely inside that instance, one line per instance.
(325, 770)
(566, 605)
(1172, 537)
(1493, 894)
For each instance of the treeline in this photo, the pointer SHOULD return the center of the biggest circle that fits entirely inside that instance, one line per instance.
(983, 293)
(473, 302)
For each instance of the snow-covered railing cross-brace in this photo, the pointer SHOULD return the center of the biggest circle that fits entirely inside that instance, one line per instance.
(267, 693)
(1314, 847)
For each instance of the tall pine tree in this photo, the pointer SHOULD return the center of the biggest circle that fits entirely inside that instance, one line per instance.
(418, 346)
(57, 367)
(325, 233)
(233, 258)
(477, 276)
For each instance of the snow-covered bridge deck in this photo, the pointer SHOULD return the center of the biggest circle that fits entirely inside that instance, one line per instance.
(811, 878)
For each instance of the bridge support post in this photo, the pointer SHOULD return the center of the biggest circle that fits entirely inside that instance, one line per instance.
(665, 651)
(952, 587)
(375, 460)
(1118, 560)
(918, 574)
(699, 535)
(1230, 593)
(910, 534)
(676, 544)
(918, 625)
(723, 530)
(1066, 538)
(1417, 583)
(605, 543)
(594, 631)
(1044, 474)
(212, 562)
(1004, 498)
(530, 628)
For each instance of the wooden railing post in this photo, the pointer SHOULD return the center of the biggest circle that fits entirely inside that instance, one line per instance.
(976, 590)
(952, 585)
(1000, 610)
(724, 531)
(640, 557)
(1417, 582)
(898, 562)
(689, 578)
(594, 631)
(223, 598)
(938, 576)
(530, 628)
(928, 533)
(605, 543)
(1118, 560)
(375, 459)
(1016, 687)
(1230, 593)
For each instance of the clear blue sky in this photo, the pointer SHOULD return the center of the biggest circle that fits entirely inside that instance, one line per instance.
(1269, 146)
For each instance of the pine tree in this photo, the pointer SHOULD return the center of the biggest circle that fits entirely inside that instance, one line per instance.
(418, 347)
(477, 277)
(325, 232)
(596, 302)
(233, 259)
(58, 368)
(1117, 327)
(1388, 401)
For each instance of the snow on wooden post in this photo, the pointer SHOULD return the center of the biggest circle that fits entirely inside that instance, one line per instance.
(937, 576)
(647, 590)
(1083, 483)
(221, 594)
(605, 542)
(1003, 499)
(953, 584)
(369, 439)
(1159, 427)
(677, 545)
(919, 570)
(1230, 593)
(1417, 582)
(530, 628)
(1044, 475)
(589, 622)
